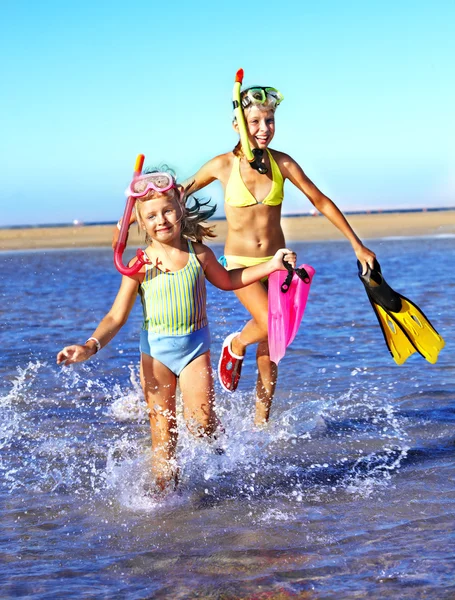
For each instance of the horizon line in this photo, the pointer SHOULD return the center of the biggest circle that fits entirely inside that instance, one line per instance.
(314, 213)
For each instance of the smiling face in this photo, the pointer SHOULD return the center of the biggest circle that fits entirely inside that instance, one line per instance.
(160, 217)
(260, 123)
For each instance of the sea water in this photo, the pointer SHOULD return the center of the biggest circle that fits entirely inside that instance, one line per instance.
(348, 493)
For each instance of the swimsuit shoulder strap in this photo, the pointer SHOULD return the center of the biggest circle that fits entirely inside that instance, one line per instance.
(192, 258)
(277, 176)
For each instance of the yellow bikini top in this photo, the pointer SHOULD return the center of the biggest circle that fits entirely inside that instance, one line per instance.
(237, 194)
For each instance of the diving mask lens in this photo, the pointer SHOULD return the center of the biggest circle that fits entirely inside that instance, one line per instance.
(158, 182)
(276, 95)
(260, 95)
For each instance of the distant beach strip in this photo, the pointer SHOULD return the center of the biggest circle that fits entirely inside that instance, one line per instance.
(370, 224)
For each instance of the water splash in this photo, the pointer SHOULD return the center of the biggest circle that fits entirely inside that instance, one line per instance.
(92, 437)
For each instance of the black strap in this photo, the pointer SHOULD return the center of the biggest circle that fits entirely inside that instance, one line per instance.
(300, 272)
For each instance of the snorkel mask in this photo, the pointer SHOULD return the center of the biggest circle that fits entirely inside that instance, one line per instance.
(261, 95)
(143, 184)
(253, 95)
(139, 187)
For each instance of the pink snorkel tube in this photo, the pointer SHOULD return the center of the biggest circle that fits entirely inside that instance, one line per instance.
(120, 246)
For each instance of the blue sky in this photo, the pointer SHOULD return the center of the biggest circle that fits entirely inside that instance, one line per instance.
(86, 86)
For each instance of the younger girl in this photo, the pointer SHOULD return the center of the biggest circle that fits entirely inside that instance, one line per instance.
(175, 338)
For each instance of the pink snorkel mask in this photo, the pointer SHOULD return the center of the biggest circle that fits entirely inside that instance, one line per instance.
(139, 187)
(143, 184)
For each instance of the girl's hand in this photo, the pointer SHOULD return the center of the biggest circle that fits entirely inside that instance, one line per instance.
(74, 354)
(115, 236)
(116, 231)
(366, 257)
(284, 254)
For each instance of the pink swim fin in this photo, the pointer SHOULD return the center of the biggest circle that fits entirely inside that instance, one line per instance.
(288, 294)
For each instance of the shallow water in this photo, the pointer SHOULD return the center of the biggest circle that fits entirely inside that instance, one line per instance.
(349, 493)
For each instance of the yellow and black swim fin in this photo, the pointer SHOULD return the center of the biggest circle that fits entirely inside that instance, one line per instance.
(405, 328)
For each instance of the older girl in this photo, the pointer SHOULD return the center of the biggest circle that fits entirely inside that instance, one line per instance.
(252, 206)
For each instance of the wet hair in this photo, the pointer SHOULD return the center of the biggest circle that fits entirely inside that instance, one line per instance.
(268, 105)
(237, 150)
(193, 215)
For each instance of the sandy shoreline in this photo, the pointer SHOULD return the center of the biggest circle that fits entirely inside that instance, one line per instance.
(304, 228)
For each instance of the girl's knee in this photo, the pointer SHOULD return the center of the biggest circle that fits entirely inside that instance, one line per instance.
(162, 420)
(262, 325)
(200, 430)
(201, 425)
(163, 427)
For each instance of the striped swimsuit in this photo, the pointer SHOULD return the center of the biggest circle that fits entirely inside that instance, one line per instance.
(175, 329)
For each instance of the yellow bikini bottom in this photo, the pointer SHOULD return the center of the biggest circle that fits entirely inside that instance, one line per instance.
(245, 261)
(233, 262)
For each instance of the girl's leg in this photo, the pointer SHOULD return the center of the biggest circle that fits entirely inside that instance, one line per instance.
(265, 385)
(159, 385)
(196, 385)
(255, 299)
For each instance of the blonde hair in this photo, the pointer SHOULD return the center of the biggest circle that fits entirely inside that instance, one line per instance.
(192, 217)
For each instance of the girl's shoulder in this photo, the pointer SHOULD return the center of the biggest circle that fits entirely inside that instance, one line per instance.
(283, 160)
(280, 157)
(215, 168)
(222, 160)
(219, 167)
(203, 253)
(199, 248)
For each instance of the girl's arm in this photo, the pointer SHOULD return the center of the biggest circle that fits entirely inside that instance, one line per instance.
(108, 327)
(290, 169)
(210, 171)
(239, 278)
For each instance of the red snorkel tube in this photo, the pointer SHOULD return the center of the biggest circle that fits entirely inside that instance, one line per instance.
(120, 246)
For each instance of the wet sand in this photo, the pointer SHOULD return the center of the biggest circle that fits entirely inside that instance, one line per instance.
(304, 228)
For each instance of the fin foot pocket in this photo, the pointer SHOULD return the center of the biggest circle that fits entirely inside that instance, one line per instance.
(405, 327)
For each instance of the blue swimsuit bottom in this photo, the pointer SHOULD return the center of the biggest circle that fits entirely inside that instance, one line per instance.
(175, 351)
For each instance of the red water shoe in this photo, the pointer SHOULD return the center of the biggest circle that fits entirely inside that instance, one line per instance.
(229, 366)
